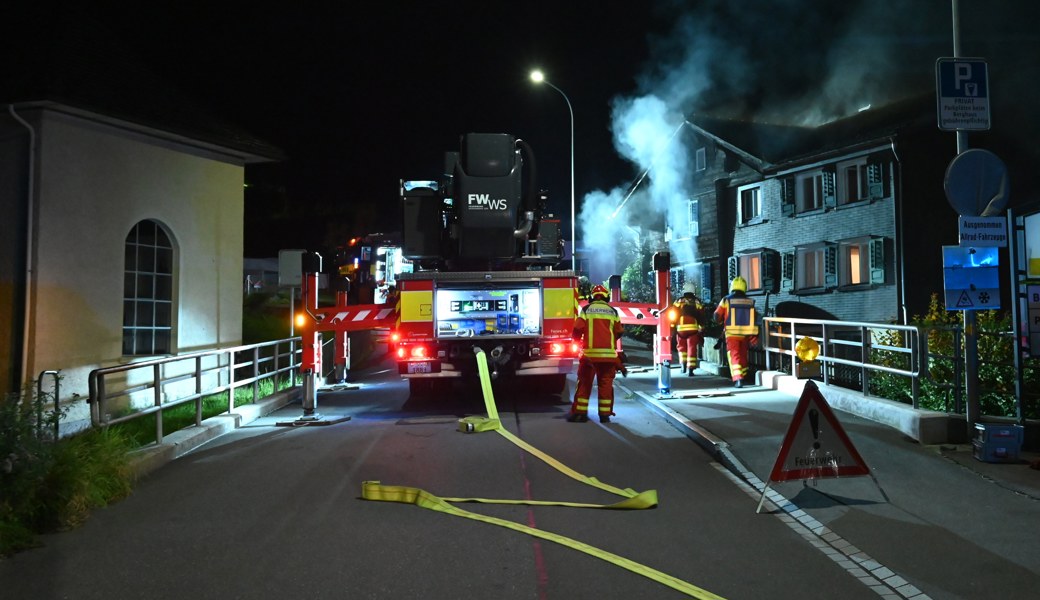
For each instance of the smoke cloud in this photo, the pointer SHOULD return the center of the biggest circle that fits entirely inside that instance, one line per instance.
(788, 61)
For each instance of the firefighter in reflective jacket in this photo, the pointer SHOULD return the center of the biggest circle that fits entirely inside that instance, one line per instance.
(689, 330)
(736, 312)
(599, 327)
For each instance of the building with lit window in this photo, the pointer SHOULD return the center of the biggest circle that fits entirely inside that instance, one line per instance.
(843, 221)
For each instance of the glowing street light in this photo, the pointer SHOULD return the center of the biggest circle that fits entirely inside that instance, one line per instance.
(538, 77)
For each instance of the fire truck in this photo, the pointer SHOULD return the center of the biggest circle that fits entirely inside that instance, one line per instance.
(484, 271)
(484, 278)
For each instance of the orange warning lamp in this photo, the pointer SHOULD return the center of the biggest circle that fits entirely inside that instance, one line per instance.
(807, 349)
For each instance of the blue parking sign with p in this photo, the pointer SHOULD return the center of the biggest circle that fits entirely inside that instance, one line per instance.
(963, 93)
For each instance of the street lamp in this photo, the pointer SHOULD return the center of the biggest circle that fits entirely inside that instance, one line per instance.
(538, 77)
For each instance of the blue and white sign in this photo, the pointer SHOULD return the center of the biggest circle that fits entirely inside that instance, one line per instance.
(971, 280)
(962, 86)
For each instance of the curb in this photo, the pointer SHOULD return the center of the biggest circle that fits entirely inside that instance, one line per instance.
(146, 460)
(927, 427)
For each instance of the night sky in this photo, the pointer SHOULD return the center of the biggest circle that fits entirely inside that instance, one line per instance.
(361, 95)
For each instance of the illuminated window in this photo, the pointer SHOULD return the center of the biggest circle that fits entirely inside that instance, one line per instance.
(862, 261)
(749, 205)
(815, 267)
(147, 291)
(758, 267)
(750, 266)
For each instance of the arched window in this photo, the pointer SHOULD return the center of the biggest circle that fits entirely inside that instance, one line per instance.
(148, 291)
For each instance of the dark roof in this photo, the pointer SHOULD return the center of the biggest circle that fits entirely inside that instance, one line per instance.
(70, 59)
(770, 147)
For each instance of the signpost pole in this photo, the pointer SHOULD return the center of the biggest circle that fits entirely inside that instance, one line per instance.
(971, 340)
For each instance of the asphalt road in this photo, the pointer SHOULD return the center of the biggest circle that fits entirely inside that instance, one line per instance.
(276, 512)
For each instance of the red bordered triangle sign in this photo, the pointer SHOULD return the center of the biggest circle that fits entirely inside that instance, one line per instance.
(816, 446)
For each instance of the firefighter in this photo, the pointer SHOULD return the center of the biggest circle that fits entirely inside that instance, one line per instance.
(599, 327)
(736, 312)
(689, 328)
(392, 296)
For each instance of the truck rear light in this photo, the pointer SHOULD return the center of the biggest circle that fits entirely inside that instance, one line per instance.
(412, 352)
(395, 337)
(563, 349)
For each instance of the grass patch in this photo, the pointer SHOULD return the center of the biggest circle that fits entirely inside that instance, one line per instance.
(51, 485)
(141, 432)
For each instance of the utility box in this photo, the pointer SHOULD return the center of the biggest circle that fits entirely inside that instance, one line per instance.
(997, 443)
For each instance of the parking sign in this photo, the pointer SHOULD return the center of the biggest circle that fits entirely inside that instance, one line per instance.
(962, 86)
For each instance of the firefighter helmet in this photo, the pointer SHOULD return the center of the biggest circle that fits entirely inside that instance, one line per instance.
(689, 289)
(738, 284)
(601, 292)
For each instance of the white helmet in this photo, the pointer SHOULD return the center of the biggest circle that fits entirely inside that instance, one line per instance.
(689, 288)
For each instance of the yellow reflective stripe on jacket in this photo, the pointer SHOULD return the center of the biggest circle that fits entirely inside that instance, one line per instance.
(600, 341)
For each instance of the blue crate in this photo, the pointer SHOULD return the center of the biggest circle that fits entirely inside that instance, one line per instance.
(997, 443)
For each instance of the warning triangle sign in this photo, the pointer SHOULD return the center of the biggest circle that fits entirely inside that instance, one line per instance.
(816, 446)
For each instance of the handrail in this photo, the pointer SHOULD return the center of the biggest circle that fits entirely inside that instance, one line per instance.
(188, 378)
(56, 378)
(871, 339)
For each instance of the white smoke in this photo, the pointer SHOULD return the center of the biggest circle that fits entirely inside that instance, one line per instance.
(648, 132)
(746, 60)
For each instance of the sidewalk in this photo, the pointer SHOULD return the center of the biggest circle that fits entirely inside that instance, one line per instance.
(948, 523)
(931, 430)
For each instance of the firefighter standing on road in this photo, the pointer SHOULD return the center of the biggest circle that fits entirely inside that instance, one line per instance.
(689, 329)
(737, 314)
(599, 327)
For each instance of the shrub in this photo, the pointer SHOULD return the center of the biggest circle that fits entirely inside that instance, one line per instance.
(996, 370)
(49, 485)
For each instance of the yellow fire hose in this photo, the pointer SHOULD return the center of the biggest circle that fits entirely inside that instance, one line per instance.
(374, 490)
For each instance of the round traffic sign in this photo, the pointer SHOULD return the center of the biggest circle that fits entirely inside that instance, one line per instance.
(977, 184)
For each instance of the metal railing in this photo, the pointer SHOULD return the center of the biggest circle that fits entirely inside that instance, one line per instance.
(850, 352)
(149, 387)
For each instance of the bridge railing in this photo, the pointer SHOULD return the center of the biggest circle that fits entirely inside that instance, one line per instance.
(132, 391)
(851, 352)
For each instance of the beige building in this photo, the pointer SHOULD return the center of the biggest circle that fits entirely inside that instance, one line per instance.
(122, 203)
(123, 242)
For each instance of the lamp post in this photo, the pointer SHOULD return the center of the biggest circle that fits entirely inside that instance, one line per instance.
(538, 77)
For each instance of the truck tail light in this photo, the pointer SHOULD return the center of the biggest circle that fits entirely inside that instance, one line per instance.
(564, 349)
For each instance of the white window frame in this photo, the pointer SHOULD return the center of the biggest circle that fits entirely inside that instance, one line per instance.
(759, 267)
(808, 191)
(693, 217)
(701, 159)
(749, 204)
(148, 290)
(862, 261)
(749, 266)
(852, 181)
(815, 267)
(855, 262)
